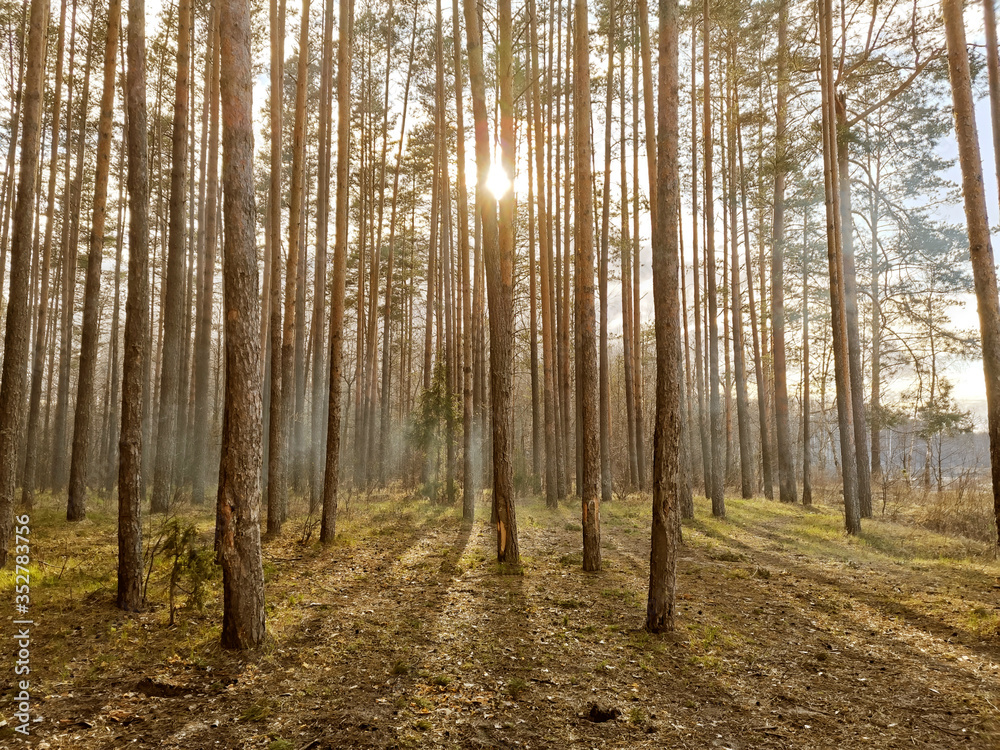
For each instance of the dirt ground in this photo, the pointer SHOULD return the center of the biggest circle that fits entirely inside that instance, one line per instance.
(404, 634)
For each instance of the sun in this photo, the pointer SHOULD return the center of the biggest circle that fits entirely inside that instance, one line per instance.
(497, 182)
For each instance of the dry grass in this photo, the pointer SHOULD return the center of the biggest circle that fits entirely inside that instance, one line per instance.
(790, 634)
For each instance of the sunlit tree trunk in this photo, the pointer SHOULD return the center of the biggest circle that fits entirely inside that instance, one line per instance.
(836, 263)
(851, 311)
(980, 250)
(498, 253)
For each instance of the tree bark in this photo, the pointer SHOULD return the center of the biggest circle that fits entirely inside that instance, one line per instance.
(277, 488)
(715, 405)
(851, 310)
(38, 350)
(589, 375)
(666, 433)
(174, 286)
(545, 269)
(203, 325)
(331, 476)
(15, 360)
(291, 357)
(739, 370)
(239, 468)
(76, 509)
(980, 249)
(131, 487)
(498, 247)
(852, 518)
(605, 375)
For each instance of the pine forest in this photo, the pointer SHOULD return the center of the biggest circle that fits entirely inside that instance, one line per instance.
(499, 373)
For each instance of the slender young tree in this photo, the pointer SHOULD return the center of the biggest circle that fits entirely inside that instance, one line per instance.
(545, 237)
(276, 474)
(79, 471)
(15, 360)
(242, 431)
(173, 296)
(331, 476)
(716, 435)
(605, 407)
(736, 300)
(291, 363)
(70, 242)
(131, 487)
(980, 249)
(206, 286)
(38, 347)
(468, 465)
(787, 490)
(587, 387)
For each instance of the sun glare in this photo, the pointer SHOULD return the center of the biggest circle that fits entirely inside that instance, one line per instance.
(497, 182)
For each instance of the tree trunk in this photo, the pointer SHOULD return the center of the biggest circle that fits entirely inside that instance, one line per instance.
(71, 244)
(131, 489)
(836, 263)
(739, 370)
(640, 426)
(545, 269)
(331, 477)
(276, 455)
(980, 250)
(239, 469)
(15, 358)
(806, 408)
(715, 406)
(174, 288)
(291, 362)
(605, 375)
(851, 310)
(38, 350)
(319, 361)
(627, 302)
(80, 464)
(587, 386)
(498, 246)
(203, 326)
(666, 433)
(469, 446)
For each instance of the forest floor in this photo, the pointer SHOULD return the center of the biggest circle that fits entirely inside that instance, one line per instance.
(404, 634)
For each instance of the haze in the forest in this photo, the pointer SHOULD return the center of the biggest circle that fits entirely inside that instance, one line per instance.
(541, 311)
